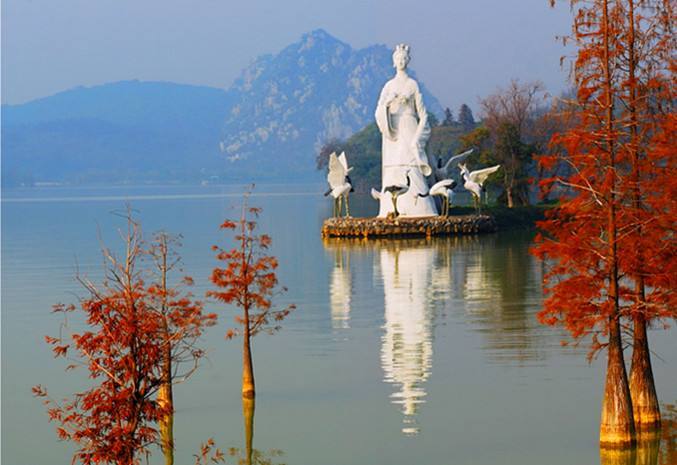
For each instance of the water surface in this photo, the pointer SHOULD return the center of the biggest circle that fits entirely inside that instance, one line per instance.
(400, 352)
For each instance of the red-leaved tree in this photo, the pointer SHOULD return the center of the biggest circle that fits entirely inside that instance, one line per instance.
(138, 336)
(610, 243)
(114, 420)
(182, 322)
(248, 280)
(646, 117)
(580, 239)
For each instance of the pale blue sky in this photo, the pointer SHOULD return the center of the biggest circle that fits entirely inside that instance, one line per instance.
(462, 49)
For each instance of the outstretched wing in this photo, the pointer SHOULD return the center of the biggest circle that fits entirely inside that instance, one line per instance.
(480, 176)
(457, 158)
(344, 161)
(337, 172)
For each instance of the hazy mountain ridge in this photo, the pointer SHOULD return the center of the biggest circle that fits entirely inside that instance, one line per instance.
(275, 115)
(314, 90)
(124, 131)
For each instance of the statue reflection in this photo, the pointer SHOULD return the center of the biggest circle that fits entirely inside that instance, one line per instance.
(492, 286)
(412, 276)
(249, 455)
(340, 289)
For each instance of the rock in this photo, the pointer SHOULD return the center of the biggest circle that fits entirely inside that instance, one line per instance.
(406, 226)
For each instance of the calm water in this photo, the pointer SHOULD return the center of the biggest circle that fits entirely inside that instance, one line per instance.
(400, 352)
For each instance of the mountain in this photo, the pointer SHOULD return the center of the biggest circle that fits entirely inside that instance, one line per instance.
(317, 89)
(267, 125)
(125, 131)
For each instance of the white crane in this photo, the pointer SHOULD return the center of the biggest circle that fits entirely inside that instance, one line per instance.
(474, 181)
(395, 191)
(444, 189)
(442, 171)
(340, 185)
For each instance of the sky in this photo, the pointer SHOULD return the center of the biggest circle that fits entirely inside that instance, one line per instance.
(461, 49)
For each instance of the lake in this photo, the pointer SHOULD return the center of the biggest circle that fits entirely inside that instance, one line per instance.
(408, 351)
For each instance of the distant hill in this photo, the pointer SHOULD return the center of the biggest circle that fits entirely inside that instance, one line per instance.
(315, 90)
(267, 126)
(125, 131)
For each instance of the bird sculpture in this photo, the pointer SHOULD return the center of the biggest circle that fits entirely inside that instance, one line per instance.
(395, 191)
(442, 170)
(340, 185)
(474, 182)
(445, 190)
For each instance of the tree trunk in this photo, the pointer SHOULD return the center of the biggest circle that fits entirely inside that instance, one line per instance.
(642, 388)
(248, 406)
(248, 391)
(166, 401)
(646, 410)
(617, 428)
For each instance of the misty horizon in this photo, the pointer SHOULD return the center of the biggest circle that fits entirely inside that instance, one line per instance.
(48, 49)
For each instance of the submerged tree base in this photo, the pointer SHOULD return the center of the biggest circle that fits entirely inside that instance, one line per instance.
(408, 226)
(616, 439)
(646, 411)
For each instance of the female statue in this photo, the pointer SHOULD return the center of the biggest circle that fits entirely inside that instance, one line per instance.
(403, 121)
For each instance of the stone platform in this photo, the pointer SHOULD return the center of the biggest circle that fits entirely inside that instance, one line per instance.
(406, 227)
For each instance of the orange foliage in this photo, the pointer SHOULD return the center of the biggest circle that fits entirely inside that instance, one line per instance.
(114, 420)
(619, 164)
(248, 279)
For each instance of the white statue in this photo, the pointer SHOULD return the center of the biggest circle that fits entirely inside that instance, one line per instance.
(403, 121)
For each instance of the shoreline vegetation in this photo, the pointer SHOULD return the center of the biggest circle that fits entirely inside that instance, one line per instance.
(520, 217)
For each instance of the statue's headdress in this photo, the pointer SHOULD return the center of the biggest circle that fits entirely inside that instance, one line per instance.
(401, 48)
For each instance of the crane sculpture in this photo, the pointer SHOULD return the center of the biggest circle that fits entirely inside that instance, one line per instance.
(340, 185)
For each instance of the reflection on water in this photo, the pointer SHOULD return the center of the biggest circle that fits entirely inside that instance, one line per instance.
(340, 290)
(647, 452)
(668, 433)
(406, 347)
(501, 280)
(249, 455)
(486, 282)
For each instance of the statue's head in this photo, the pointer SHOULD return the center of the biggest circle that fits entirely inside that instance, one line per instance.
(401, 57)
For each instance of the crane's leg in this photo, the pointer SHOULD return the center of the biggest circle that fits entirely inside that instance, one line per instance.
(394, 198)
(347, 205)
(446, 206)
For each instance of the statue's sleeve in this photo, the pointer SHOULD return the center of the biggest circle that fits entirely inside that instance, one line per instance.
(382, 117)
(423, 129)
(422, 132)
